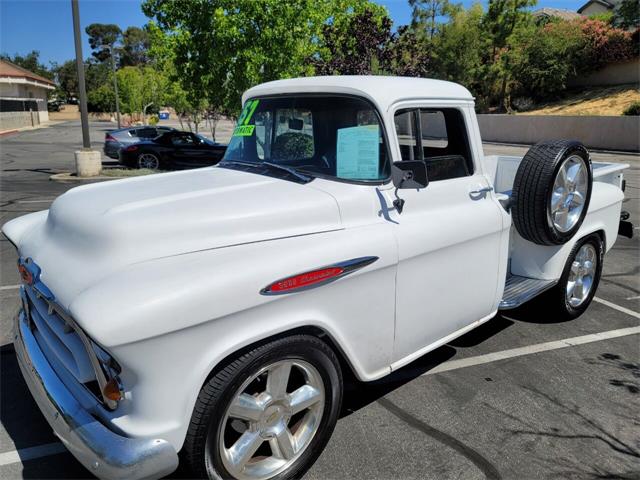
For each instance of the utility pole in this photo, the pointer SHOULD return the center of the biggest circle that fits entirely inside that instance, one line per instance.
(88, 162)
(84, 114)
(115, 80)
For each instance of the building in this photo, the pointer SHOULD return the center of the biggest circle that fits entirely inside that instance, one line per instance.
(23, 97)
(546, 14)
(593, 7)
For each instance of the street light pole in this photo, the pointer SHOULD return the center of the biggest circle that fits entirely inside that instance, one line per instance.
(84, 114)
(115, 82)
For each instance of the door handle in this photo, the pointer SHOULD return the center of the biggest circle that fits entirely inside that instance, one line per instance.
(482, 190)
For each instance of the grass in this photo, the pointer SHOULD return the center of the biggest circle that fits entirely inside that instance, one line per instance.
(127, 172)
(593, 101)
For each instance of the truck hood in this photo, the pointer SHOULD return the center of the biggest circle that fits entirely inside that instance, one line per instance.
(93, 230)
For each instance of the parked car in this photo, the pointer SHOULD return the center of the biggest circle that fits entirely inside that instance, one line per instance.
(354, 223)
(114, 140)
(172, 151)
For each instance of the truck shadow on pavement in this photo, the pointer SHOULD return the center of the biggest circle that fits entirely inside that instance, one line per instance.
(358, 395)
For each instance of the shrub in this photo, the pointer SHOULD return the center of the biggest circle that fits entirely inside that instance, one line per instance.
(633, 109)
(153, 120)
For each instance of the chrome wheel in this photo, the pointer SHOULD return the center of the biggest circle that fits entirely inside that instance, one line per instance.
(271, 420)
(148, 160)
(569, 193)
(581, 275)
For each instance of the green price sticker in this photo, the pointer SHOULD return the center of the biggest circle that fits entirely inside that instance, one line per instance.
(244, 130)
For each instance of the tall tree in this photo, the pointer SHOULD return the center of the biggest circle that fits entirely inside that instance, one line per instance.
(425, 15)
(135, 46)
(103, 35)
(501, 21)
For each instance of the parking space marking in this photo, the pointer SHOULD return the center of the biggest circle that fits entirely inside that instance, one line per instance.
(31, 453)
(9, 287)
(46, 200)
(530, 349)
(617, 307)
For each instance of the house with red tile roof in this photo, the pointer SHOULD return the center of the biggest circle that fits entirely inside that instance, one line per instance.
(23, 97)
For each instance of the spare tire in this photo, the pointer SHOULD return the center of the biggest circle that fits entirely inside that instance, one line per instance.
(551, 191)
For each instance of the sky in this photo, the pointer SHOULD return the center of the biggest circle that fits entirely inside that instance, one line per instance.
(46, 25)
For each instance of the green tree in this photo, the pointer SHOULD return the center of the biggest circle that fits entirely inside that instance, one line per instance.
(67, 78)
(135, 44)
(503, 19)
(460, 48)
(627, 14)
(426, 15)
(223, 47)
(101, 35)
(366, 53)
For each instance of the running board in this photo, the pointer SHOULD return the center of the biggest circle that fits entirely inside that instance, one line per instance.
(518, 290)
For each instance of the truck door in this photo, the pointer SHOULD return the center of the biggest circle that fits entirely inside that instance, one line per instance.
(449, 233)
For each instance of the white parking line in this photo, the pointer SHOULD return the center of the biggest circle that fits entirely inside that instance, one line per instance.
(9, 287)
(617, 307)
(530, 349)
(31, 453)
(46, 200)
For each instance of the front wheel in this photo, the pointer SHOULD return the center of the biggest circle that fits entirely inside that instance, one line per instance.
(577, 286)
(267, 414)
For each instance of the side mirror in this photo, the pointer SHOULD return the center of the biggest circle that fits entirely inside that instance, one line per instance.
(409, 174)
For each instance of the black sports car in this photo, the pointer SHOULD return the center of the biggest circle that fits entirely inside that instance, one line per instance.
(172, 151)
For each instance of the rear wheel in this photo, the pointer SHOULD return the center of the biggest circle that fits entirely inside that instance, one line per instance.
(580, 278)
(267, 414)
(149, 161)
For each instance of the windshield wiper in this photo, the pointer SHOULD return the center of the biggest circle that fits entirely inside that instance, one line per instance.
(291, 170)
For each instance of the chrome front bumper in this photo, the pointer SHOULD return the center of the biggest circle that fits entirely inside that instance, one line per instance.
(105, 453)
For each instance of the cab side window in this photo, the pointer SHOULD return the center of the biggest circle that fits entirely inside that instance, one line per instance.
(438, 137)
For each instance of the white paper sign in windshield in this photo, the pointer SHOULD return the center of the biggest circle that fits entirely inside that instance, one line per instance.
(358, 152)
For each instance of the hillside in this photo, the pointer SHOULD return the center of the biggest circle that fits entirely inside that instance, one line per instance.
(594, 101)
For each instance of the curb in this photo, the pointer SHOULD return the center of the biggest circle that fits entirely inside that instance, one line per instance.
(71, 177)
(8, 132)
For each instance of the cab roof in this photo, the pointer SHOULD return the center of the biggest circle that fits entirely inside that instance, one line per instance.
(383, 91)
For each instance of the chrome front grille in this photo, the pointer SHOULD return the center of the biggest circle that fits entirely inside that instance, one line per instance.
(61, 339)
(64, 344)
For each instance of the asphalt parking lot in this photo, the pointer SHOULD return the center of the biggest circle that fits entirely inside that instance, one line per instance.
(522, 397)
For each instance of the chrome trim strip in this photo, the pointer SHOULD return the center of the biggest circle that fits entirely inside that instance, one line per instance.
(348, 266)
(103, 452)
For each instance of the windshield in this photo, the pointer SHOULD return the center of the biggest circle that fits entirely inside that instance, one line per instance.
(329, 136)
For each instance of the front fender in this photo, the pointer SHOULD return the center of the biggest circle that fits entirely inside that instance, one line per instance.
(170, 321)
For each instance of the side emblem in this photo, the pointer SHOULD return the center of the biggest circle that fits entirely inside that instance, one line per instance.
(317, 277)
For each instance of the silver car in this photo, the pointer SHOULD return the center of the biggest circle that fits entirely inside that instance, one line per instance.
(114, 140)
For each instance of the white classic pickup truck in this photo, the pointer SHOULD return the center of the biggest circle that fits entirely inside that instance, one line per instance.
(354, 224)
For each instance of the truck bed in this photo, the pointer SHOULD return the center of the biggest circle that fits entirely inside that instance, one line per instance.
(502, 171)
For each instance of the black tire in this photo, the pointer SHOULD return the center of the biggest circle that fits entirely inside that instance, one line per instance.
(201, 444)
(555, 300)
(533, 186)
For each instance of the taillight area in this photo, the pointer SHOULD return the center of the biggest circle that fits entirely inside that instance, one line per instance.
(131, 148)
(109, 138)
